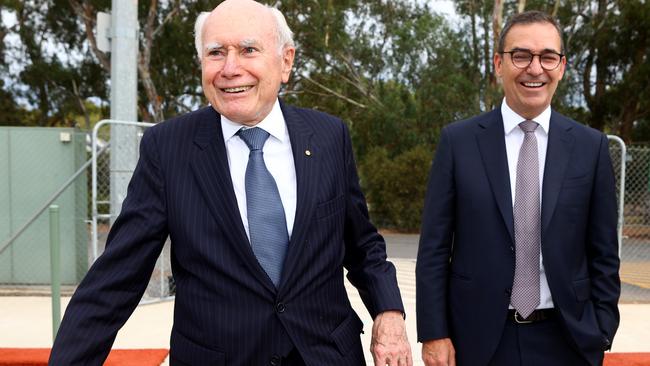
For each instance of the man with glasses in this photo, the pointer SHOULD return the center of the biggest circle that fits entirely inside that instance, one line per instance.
(518, 261)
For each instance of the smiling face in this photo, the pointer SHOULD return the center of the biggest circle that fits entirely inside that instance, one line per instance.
(241, 65)
(529, 91)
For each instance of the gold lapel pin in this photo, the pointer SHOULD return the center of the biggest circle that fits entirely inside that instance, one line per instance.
(307, 152)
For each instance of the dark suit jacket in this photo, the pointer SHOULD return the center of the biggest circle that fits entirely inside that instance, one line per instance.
(466, 258)
(227, 310)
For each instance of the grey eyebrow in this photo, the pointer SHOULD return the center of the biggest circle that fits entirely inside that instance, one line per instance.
(248, 43)
(213, 46)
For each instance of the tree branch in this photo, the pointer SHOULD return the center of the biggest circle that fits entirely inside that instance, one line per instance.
(85, 12)
(334, 93)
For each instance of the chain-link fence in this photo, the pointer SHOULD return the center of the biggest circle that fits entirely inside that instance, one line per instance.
(635, 248)
(43, 166)
(104, 174)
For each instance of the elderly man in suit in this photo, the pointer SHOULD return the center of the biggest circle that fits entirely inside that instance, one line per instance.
(262, 204)
(518, 264)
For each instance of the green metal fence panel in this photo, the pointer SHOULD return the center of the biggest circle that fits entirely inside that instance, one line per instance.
(38, 161)
(5, 201)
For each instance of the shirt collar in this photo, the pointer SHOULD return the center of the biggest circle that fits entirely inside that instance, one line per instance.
(511, 119)
(273, 123)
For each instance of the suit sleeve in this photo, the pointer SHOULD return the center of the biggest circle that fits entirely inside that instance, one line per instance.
(365, 255)
(602, 245)
(115, 283)
(435, 248)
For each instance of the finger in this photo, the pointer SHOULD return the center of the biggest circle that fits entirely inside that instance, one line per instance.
(409, 358)
(390, 360)
(452, 360)
(377, 359)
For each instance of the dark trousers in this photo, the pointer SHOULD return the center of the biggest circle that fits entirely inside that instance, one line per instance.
(542, 343)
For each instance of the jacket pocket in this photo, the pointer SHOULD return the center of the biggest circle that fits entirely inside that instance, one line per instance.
(186, 351)
(577, 181)
(331, 207)
(347, 334)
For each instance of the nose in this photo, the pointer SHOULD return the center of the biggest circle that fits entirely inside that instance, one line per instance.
(231, 65)
(535, 66)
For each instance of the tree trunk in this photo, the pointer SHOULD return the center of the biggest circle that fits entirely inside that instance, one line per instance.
(497, 22)
(86, 13)
(82, 106)
(556, 8)
(627, 120)
(598, 112)
(144, 62)
(476, 57)
(521, 6)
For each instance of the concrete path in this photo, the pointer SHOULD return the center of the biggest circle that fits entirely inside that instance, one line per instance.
(25, 321)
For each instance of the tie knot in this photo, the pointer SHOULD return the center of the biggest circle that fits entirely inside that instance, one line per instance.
(253, 137)
(528, 126)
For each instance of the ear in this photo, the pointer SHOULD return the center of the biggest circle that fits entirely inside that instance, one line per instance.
(498, 63)
(288, 54)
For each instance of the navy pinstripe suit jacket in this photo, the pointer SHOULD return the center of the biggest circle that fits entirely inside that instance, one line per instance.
(227, 311)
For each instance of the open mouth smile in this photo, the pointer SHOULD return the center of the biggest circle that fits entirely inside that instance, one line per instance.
(239, 89)
(529, 84)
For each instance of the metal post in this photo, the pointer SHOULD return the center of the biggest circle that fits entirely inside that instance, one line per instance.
(55, 268)
(124, 88)
(96, 151)
(621, 193)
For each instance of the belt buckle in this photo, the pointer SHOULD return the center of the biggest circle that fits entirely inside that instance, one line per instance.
(520, 320)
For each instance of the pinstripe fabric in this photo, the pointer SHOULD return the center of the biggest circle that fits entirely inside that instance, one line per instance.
(227, 311)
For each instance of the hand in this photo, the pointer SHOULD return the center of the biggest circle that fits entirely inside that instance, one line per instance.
(439, 352)
(390, 345)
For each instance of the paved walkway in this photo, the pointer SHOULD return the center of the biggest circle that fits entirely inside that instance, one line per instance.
(25, 321)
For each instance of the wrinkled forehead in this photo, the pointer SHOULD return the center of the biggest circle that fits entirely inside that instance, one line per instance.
(536, 37)
(233, 27)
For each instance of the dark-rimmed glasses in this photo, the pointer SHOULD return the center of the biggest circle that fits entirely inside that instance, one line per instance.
(549, 60)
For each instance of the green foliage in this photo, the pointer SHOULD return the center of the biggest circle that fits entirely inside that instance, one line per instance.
(395, 187)
(396, 71)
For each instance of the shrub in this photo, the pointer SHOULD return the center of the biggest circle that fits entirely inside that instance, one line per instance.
(395, 186)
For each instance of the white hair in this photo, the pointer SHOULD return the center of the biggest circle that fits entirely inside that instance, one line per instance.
(284, 34)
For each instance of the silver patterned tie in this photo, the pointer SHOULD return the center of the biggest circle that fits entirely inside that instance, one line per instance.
(525, 289)
(267, 224)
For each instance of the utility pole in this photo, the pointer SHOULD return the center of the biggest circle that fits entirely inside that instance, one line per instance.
(124, 94)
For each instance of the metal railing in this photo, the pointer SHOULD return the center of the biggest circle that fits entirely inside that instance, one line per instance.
(161, 285)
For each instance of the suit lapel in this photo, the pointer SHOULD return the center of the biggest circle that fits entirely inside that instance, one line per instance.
(305, 157)
(492, 146)
(558, 153)
(210, 167)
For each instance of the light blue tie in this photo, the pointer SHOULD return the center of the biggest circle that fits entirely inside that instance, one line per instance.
(267, 224)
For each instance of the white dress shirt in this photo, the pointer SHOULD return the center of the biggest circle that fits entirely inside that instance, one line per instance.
(514, 138)
(278, 158)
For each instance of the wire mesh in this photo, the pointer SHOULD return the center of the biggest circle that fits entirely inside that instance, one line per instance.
(635, 248)
(161, 284)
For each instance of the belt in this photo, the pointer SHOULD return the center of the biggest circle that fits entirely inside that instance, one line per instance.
(536, 316)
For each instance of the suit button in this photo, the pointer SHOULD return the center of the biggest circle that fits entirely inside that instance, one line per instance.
(512, 249)
(280, 308)
(275, 361)
(508, 292)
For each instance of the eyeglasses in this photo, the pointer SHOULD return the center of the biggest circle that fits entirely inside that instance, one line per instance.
(549, 60)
